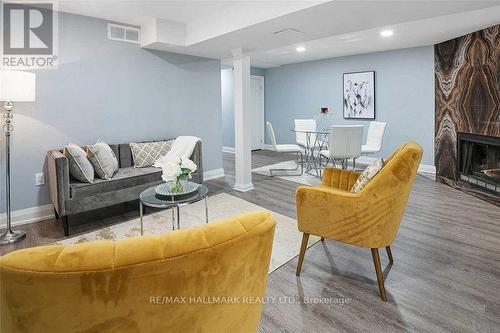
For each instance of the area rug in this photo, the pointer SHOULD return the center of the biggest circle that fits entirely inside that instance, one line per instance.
(287, 238)
(305, 178)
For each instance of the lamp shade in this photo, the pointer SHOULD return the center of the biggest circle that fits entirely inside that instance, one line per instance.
(17, 86)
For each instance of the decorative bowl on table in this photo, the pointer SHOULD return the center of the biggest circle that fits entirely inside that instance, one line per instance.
(169, 189)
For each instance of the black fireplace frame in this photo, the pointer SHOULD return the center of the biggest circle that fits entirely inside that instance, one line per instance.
(475, 138)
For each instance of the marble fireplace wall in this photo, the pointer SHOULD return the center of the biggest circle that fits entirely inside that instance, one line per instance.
(467, 71)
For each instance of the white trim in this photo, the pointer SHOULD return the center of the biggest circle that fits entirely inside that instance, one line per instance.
(45, 212)
(227, 149)
(428, 169)
(213, 174)
(365, 160)
(29, 215)
(243, 187)
(422, 168)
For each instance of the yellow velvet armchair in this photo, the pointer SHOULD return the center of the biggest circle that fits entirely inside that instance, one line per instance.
(369, 218)
(206, 279)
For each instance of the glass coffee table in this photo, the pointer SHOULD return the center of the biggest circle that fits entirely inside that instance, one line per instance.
(149, 198)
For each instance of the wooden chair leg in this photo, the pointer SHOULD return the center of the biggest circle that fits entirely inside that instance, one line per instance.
(389, 254)
(303, 247)
(380, 277)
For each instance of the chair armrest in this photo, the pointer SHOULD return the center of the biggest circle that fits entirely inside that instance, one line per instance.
(58, 173)
(339, 178)
(319, 207)
(339, 215)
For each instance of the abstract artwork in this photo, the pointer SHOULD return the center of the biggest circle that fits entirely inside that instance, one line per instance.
(359, 95)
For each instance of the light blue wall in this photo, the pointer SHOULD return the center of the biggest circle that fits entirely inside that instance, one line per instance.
(404, 95)
(113, 91)
(227, 93)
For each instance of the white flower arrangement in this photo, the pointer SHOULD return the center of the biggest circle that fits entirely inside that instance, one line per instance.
(177, 170)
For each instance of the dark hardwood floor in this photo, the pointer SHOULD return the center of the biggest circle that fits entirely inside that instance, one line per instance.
(445, 277)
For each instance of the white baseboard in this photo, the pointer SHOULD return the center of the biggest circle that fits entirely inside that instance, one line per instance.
(29, 215)
(229, 150)
(243, 187)
(428, 169)
(365, 160)
(45, 212)
(422, 168)
(212, 174)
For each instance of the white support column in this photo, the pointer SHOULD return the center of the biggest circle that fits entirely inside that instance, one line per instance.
(242, 130)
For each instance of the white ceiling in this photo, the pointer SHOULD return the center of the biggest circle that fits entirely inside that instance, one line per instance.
(137, 12)
(328, 29)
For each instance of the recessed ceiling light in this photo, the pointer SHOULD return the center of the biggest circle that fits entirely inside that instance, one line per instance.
(300, 49)
(386, 33)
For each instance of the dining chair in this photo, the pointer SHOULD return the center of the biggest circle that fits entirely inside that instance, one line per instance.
(374, 138)
(301, 137)
(285, 148)
(345, 144)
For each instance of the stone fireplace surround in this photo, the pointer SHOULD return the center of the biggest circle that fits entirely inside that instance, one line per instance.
(467, 86)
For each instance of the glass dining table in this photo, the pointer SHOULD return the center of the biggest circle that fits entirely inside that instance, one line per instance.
(315, 141)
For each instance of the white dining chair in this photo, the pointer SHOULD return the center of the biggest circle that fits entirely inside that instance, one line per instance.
(345, 144)
(285, 148)
(301, 137)
(374, 138)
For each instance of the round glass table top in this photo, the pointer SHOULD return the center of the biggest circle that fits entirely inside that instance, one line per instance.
(150, 198)
(316, 131)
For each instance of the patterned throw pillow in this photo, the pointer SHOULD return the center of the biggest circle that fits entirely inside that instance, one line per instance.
(371, 171)
(145, 154)
(79, 166)
(103, 159)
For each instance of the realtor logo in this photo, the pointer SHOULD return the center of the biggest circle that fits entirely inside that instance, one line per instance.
(29, 36)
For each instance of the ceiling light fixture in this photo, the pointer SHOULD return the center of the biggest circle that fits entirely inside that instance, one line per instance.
(386, 33)
(300, 49)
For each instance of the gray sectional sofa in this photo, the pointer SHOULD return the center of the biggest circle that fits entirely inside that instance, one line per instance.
(70, 196)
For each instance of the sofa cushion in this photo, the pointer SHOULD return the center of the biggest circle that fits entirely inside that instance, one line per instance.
(103, 159)
(79, 166)
(145, 154)
(124, 178)
(368, 174)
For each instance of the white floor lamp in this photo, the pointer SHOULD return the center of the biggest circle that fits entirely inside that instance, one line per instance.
(15, 86)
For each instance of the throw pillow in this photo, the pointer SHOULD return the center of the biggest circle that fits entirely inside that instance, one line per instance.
(145, 154)
(371, 171)
(103, 159)
(79, 166)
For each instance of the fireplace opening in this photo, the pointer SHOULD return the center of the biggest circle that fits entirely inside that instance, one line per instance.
(479, 161)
